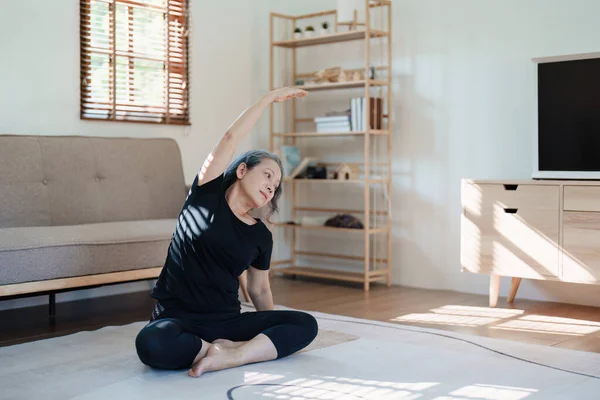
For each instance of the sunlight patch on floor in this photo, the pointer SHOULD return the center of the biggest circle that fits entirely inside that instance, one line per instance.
(331, 387)
(460, 315)
(550, 325)
(491, 392)
(259, 377)
(501, 319)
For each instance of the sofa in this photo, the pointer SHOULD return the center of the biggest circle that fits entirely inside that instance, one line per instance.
(79, 212)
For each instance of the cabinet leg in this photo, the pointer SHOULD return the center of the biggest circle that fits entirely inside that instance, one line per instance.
(514, 286)
(494, 289)
(366, 287)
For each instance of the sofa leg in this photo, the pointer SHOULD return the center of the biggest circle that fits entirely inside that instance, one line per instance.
(52, 305)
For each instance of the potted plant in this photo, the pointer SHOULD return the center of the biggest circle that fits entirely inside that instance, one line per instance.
(297, 33)
(309, 31)
(324, 28)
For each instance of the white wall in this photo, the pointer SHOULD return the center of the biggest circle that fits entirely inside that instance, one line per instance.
(464, 96)
(39, 90)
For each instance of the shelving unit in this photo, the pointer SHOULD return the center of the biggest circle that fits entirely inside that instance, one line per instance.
(343, 85)
(375, 214)
(327, 39)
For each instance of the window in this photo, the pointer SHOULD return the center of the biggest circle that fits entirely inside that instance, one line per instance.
(134, 61)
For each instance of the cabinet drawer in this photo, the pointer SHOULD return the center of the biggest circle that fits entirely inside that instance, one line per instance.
(582, 198)
(476, 197)
(521, 244)
(581, 247)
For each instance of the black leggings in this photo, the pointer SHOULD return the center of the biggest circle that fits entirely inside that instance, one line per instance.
(172, 339)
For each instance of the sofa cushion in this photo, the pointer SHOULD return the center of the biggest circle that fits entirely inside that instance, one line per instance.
(69, 180)
(102, 233)
(40, 253)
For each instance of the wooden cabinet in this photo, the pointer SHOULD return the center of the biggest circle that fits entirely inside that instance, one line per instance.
(581, 247)
(546, 230)
(582, 198)
(522, 243)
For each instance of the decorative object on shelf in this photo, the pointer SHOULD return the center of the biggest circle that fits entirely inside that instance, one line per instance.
(347, 9)
(297, 33)
(309, 31)
(316, 172)
(344, 221)
(339, 74)
(293, 163)
(325, 28)
(350, 12)
(345, 76)
(298, 172)
(346, 172)
(327, 75)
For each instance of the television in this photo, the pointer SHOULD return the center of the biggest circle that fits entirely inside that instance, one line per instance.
(567, 134)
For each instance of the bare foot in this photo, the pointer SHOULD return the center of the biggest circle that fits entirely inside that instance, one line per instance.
(228, 343)
(217, 358)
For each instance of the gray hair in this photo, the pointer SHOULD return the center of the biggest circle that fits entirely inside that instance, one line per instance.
(252, 158)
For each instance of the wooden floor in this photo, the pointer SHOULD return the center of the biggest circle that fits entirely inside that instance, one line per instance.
(552, 324)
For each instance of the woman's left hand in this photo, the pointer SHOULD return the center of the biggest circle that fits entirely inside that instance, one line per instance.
(285, 93)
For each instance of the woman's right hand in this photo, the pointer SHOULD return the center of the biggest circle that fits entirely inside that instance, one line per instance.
(285, 93)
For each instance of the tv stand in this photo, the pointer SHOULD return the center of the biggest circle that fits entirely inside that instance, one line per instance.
(532, 229)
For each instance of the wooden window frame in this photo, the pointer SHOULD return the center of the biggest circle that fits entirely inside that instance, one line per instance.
(175, 109)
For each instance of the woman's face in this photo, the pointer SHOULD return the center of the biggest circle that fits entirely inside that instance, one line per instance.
(260, 183)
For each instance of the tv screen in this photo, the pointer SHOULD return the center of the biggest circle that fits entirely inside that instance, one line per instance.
(569, 115)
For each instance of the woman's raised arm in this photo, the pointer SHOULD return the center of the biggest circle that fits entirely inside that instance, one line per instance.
(220, 157)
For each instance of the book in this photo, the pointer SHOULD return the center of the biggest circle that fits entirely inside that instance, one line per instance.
(358, 113)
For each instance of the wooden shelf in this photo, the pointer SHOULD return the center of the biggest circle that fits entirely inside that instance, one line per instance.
(338, 210)
(347, 276)
(337, 256)
(329, 228)
(328, 39)
(332, 134)
(334, 181)
(342, 85)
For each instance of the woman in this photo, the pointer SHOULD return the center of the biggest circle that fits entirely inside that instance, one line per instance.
(197, 322)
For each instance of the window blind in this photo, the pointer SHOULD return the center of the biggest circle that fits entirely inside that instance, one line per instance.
(134, 60)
